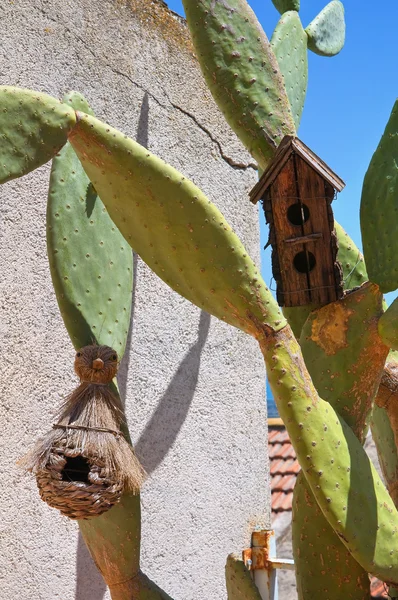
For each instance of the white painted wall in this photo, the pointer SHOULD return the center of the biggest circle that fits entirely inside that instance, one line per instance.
(194, 386)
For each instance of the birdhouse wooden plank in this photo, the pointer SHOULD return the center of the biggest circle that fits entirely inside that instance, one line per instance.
(296, 191)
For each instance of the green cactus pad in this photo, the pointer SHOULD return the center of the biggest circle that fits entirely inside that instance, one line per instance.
(33, 128)
(326, 33)
(388, 326)
(345, 355)
(351, 260)
(324, 567)
(176, 230)
(113, 540)
(289, 43)
(242, 73)
(240, 585)
(91, 264)
(384, 426)
(297, 315)
(345, 358)
(379, 209)
(345, 484)
(283, 6)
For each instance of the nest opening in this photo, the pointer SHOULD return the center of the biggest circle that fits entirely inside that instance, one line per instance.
(76, 468)
(298, 213)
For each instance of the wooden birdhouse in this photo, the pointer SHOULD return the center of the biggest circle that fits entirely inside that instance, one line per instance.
(296, 192)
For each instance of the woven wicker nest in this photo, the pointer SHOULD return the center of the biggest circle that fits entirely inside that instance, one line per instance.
(77, 485)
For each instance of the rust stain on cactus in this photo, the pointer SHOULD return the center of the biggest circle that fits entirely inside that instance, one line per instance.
(366, 373)
(329, 328)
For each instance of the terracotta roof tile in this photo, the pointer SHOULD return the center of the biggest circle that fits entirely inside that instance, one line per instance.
(277, 434)
(286, 482)
(284, 468)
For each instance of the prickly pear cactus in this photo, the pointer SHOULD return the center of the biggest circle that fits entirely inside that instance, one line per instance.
(33, 128)
(326, 33)
(289, 43)
(242, 73)
(174, 228)
(91, 267)
(113, 540)
(388, 326)
(285, 5)
(91, 263)
(379, 209)
(324, 567)
(345, 357)
(345, 354)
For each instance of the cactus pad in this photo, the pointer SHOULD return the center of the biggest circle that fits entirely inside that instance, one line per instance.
(326, 33)
(285, 5)
(351, 260)
(379, 209)
(176, 230)
(324, 567)
(33, 128)
(345, 484)
(240, 585)
(113, 540)
(388, 326)
(289, 43)
(345, 355)
(91, 263)
(242, 73)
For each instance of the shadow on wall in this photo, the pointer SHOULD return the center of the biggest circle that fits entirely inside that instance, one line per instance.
(169, 416)
(153, 445)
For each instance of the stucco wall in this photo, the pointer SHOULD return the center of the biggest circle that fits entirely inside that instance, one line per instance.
(194, 386)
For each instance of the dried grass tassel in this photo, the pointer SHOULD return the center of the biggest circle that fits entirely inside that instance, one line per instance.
(84, 464)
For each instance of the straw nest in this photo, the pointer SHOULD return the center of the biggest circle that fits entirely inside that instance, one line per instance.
(85, 463)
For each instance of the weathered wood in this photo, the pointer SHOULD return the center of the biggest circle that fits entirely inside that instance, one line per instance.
(312, 237)
(292, 285)
(312, 193)
(289, 146)
(297, 191)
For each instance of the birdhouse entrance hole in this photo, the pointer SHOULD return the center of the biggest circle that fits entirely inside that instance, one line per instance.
(296, 191)
(304, 262)
(298, 213)
(77, 468)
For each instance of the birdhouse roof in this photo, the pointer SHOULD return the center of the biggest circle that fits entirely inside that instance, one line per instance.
(289, 146)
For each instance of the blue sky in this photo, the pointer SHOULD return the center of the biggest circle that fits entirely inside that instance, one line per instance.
(349, 99)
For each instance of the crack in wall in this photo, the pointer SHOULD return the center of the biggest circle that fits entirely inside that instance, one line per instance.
(230, 161)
